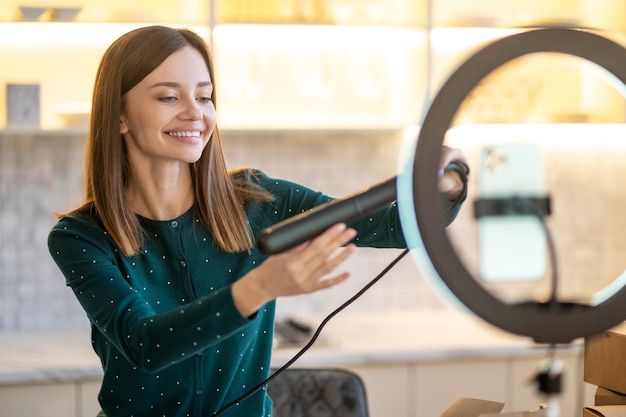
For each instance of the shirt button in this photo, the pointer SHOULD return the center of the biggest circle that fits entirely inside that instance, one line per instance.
(183, 264)
(174, 223)
(199, 391)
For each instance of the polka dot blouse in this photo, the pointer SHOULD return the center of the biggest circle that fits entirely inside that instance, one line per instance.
(171, 341)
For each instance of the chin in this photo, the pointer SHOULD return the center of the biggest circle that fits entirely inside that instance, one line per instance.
(191, 160)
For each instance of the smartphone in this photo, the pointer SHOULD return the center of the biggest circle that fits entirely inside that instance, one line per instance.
(512, 247)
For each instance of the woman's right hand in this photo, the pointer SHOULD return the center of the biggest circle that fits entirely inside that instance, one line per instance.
(304, 269)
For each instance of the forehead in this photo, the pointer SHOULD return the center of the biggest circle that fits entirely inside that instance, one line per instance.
(185, 64)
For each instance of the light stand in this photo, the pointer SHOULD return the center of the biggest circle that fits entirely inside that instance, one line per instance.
(548, 379)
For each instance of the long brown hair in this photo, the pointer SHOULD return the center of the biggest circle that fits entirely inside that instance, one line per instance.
(219, 197)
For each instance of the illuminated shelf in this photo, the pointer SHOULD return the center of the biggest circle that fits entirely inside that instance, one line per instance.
(43, 34)
(350, 68)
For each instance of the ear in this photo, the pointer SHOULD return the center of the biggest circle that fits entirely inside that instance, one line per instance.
(123, 127)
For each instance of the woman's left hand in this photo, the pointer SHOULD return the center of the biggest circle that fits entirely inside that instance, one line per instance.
(450, 182)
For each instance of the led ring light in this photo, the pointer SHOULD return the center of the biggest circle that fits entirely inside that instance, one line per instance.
(554, 323)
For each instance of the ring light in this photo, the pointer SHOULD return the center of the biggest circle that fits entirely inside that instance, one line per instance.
(545, 323)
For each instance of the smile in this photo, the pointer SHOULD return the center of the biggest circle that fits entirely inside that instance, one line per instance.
(195, 134)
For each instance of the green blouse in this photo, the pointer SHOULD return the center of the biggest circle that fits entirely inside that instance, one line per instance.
(164, 324)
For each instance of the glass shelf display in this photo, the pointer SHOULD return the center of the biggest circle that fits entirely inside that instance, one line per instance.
(311, 64)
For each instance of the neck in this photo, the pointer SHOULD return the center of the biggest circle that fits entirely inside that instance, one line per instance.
(161, 195)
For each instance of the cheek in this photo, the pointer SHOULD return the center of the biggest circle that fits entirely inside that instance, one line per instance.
(210, 120)
(141, 133)
(141, 113)
(138, 122)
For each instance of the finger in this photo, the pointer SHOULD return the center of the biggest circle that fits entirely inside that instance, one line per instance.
(328, 282)
(324, 245)
(449, 155)
(450, 180)
(329, 264)
(298, 248)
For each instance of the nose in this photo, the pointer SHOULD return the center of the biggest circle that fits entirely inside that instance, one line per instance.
(191, 110)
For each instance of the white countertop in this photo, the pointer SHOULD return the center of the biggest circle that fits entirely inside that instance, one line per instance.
(36, 357)
(417, 336)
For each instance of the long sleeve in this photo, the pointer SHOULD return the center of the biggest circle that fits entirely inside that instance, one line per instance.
(164, 322)
(152, 323)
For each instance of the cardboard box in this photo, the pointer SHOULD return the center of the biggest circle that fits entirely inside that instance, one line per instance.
(472, 407)
(605, 411)
(605, 359)
(605, 396)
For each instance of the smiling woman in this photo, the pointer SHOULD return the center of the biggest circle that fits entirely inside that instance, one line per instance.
(161, 254)
(166, 125)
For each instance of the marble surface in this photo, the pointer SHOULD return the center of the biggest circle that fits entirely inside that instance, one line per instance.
(416, 336)
(360, 339)
(39, 357)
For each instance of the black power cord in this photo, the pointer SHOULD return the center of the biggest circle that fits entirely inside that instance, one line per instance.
(314, 337)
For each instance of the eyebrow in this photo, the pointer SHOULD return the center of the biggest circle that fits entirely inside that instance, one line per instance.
(176, 85)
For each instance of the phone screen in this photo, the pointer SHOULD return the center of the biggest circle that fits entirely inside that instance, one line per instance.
(512, 247)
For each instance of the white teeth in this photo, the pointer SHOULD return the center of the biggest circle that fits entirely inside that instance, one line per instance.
(182, 134)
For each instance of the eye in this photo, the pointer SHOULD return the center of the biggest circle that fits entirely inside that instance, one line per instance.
(167, 99)
(204, 100)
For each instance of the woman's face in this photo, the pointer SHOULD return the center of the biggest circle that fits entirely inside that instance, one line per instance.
(169, 116)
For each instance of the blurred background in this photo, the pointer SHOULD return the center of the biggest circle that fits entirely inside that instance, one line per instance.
(326, 93)
(320, 92)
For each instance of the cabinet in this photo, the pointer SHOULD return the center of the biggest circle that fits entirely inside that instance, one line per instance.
(387, 387)
(428, 388)
(45, 400)
(326, 63)
(411, 389)
(51, 399)
(413, 364)
(87, 396)
(62, 56)
(536, 88)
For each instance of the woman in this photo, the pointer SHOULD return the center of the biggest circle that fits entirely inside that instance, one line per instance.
(161, 254)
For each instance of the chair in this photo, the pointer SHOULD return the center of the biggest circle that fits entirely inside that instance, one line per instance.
(298, 392)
